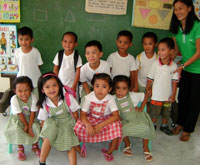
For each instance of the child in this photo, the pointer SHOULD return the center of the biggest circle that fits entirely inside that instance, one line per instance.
(145, 59)
(99, 116)
(123, 59)
(93, 53)
(3, 43)
(56, 121)
(27, 58)
(22, 128)
(65, 70)
(164, 84)
(134, 123)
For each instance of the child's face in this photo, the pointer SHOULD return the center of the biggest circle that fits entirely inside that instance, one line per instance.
(93, 55)
(123, 43)
(164, 51)
(51, 89)
(101, 88)
(25, 41)
(69, 43)
(149, 45)
(121, 89)
(23, 91)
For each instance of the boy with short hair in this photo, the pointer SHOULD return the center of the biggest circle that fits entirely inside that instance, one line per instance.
(93, 53)
(164, 84)
(68, 73)
(146, 58)
(121, 62)
(27, 58)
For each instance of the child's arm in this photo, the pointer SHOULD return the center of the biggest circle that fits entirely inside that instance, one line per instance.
(23, 120)
(174, 89)
(31, 120)
(77, 77)
(56, 69)
(134, 81)
(114, 117)
(86, 87)
(89, 127)
(42, 123)
(75, 115)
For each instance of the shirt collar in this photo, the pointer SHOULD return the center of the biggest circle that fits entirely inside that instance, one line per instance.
(170, 62)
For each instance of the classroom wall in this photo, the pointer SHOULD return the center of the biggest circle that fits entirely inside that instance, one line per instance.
(5, 84)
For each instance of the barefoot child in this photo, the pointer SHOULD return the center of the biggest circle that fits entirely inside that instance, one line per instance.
(56, 121)
(99, 116)
(135, 122)
(22, 128)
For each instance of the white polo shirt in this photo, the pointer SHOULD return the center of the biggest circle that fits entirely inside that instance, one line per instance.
(162, 77)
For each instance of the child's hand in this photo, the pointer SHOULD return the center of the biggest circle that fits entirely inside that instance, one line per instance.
(171, 99)
(138, 109)
(134, 90)
(74, 88)
(149, 92)
(26, 128)
(98, 128)
(30, 132)
(90, 130)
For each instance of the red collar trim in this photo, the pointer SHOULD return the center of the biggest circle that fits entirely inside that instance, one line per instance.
(170, 62)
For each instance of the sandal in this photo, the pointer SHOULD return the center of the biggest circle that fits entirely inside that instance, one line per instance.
(21, 154)
(185, 138)
(177, 130)
(148, 156)
(127, 151)
(36, 149)
(108, 157)
(83, 152)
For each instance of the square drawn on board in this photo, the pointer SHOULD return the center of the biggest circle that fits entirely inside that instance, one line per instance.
(40, 15)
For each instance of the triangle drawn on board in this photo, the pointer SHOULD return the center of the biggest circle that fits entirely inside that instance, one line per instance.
(163, 13)
(70, 17)
(144, 12)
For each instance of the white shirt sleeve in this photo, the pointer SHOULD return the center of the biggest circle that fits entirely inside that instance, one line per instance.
(55, 61)
(43, 114)
(133, 65)
(34, 107)
(151, 72)
(15, 108)
(136, 97)
(137, 63)
(175, 76)
(83, 77)
(74, 106)
(110, 61)
(112, 104)
(79, 62)
(86, 105)
(38, 58)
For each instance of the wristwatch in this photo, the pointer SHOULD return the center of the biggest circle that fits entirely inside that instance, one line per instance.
(183, 66)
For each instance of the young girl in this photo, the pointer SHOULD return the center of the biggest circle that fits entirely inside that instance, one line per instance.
(56, 121)
(135, 122)
(22, 128)
(99, 116)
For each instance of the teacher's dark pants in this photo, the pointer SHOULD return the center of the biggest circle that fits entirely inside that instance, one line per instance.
(188, 100)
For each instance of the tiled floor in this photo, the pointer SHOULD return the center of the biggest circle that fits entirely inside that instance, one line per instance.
(166, 150)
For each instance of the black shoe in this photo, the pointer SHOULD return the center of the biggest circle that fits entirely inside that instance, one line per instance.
(166, 130)
(155, 127)
(42, 163)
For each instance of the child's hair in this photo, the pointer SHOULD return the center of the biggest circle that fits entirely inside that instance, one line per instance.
(25, 31)
(191, 17)
(22, 79)
(42, 80)
(121, 78)
(150, 35)
(94, 43)
(168, 41)
(102, 76)
(70, 33)
(125, 33)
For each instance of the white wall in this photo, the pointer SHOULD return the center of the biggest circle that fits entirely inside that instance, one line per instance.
(4, 83)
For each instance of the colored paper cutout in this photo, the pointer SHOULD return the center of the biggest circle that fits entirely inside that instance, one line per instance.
(163, 13)
(144, 12)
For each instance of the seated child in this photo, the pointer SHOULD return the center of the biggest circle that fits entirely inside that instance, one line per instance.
(99, 116)
(93, 53)
(56, 120)
(123, 59)
(135, 122)
(164, 82)
(22, 127)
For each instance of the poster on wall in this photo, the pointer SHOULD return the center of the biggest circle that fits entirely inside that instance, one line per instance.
(197, 7)
(152, 14)
(8, 45)
(9, 10)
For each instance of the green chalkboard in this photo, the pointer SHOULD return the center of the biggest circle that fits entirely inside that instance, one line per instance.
(49, 19)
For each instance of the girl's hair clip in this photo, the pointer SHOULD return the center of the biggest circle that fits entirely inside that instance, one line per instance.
(49, 74)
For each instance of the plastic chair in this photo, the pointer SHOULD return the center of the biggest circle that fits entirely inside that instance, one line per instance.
(149, 145)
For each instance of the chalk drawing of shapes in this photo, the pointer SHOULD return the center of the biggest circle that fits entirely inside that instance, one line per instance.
(92, 32)
(163, 13)
(165, 1)
(40, 15)
(153, 19)
(39, 34)
(96, 17)
(70, 17)
(154, 4)
(144, 12)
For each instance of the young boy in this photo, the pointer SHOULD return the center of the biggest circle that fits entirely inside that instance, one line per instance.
(93, 53)
(27, 58)
(164, 84)
(66, 72)
(122, 63)
(145, 59)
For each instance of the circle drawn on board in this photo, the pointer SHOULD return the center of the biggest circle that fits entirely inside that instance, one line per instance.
(153, 19)
(39, 34)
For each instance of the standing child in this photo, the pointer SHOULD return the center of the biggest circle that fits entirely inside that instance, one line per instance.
(99, 116)
(67, 62)
(22, 128)
(27, 58)
(164, 84)
(56, 121)
(135, 122)
(123, 59)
